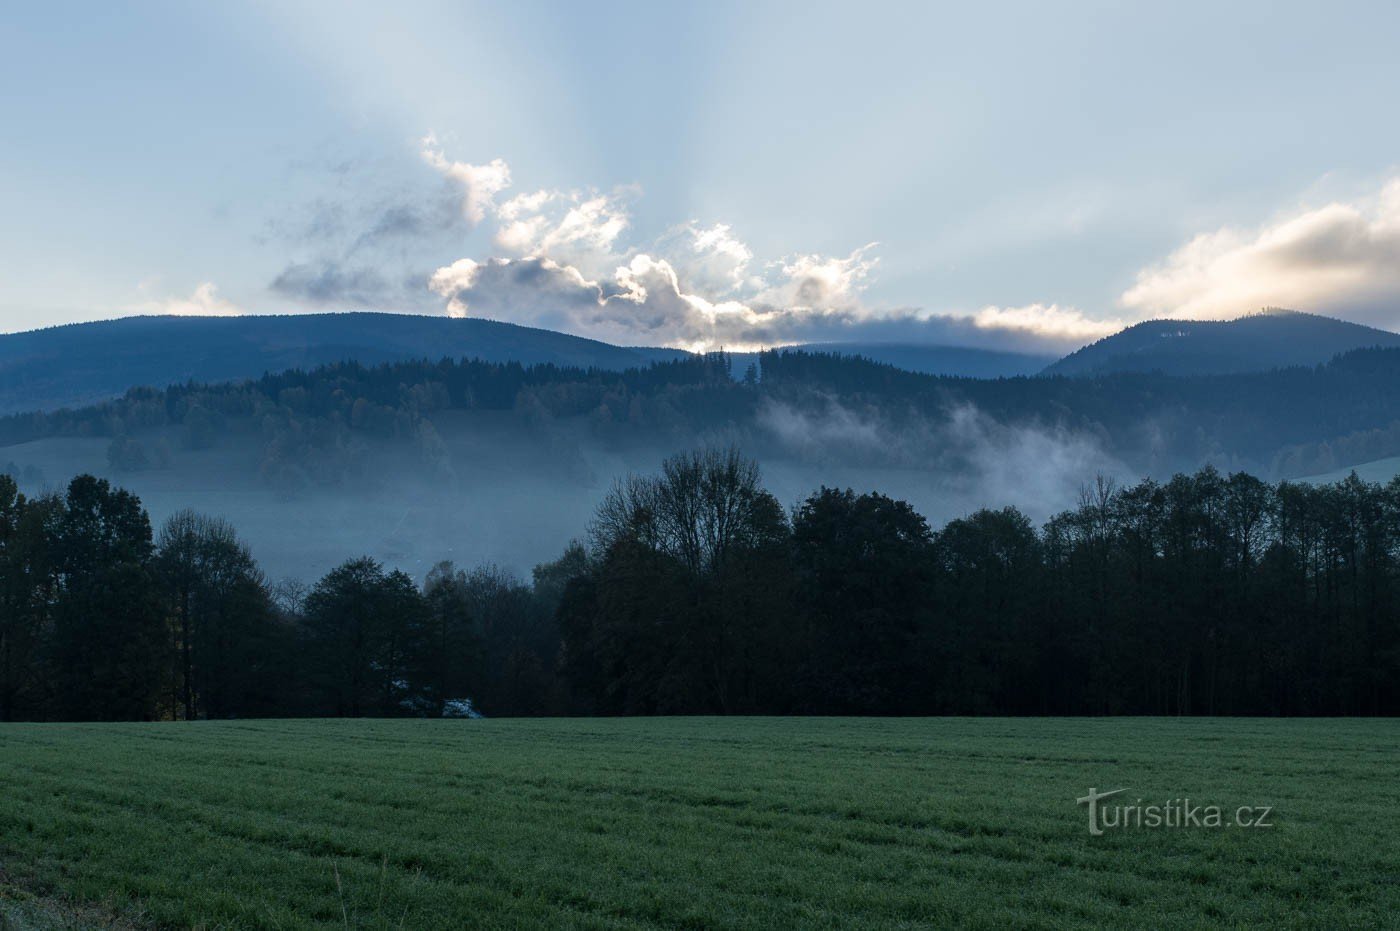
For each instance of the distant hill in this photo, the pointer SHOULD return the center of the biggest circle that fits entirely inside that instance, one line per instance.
(1256, 343)
(928, 359)
(84, 363)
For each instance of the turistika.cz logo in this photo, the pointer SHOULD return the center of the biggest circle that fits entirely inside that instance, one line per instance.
(1174, 813)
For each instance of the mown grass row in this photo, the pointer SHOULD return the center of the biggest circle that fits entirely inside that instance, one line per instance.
(699, 822)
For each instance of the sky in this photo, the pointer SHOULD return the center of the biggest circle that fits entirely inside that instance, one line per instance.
(1024, 176)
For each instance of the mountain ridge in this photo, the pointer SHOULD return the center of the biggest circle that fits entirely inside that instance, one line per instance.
(77, 364)
(1273, 338)
(84, 363)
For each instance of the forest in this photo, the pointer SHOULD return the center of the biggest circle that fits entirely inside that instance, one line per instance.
(693, 591)
(314, 429)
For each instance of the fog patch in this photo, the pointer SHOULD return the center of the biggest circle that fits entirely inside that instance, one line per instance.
(953, 462)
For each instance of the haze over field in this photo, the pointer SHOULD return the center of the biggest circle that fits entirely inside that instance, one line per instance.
(516, 494)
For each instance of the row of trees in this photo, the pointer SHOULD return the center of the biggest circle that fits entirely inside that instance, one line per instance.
(1204, 595)
(102, 619)
(698, 593)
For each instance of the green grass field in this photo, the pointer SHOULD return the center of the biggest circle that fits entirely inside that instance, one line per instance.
(757, 823)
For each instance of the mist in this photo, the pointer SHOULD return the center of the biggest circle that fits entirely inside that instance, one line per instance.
(515, 494)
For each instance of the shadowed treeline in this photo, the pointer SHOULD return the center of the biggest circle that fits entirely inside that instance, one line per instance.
(697, 593)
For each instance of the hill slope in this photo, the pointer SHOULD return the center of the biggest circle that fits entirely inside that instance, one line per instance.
(1256, 343)
(87, 362)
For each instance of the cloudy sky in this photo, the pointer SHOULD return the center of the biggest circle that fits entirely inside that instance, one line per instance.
(706, 174)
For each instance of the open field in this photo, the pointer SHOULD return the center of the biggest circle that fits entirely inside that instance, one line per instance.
(696, 823)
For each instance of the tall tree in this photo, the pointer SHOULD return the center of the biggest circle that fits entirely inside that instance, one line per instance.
(863, 567)
(362, 625)
(108, 641)
(224, 627)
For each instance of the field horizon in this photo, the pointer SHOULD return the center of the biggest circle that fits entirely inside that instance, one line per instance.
(693, 822)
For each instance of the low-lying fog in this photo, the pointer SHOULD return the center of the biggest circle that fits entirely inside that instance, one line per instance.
(516, 497)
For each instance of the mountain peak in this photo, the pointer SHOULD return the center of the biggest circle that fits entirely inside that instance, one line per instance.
(1273, 337)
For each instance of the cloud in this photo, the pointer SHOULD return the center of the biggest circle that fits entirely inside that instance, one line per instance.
(643, 302)
(698, 286)
(820, 283)
(480, 183)
(1341, 258)
(370, 242)
(578, 228)
(327, 282)
(204, 301)
(710, 258)
(1051, 322)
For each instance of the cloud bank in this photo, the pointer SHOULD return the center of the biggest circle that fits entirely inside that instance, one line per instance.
(1342, 258)
(563, 262)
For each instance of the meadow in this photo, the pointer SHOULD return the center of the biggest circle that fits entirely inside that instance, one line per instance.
(693, 823)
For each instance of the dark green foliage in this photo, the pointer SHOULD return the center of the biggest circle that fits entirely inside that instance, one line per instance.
(692, 591)
(125, 454)
(363, 628)
(1256, 343)
(862, 567)
(221, 614)
(107, 633)
(1204, 595)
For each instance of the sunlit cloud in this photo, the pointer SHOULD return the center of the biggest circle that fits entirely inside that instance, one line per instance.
(204, 301)
(565, 265)
(1340, 258)
(1051, 322)
(480, 183)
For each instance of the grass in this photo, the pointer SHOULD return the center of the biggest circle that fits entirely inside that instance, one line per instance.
(693, 823)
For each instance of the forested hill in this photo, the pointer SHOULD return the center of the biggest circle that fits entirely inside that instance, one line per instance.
(410, 462)
(1256, 343)
(88, 362)
(1284, 423)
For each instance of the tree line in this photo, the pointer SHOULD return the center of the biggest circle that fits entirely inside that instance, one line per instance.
(697, 592)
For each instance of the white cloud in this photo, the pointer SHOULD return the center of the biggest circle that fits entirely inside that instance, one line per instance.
(480, 183)
(577, 227)
(451, 281)
(1342, 258)
(644, 302)
(204, 301)
(565, 266)
(817, 282)
(1051, 322)
(710, 259)
(583, 229)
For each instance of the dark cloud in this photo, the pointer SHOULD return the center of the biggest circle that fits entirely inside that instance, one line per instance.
(328, 282)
